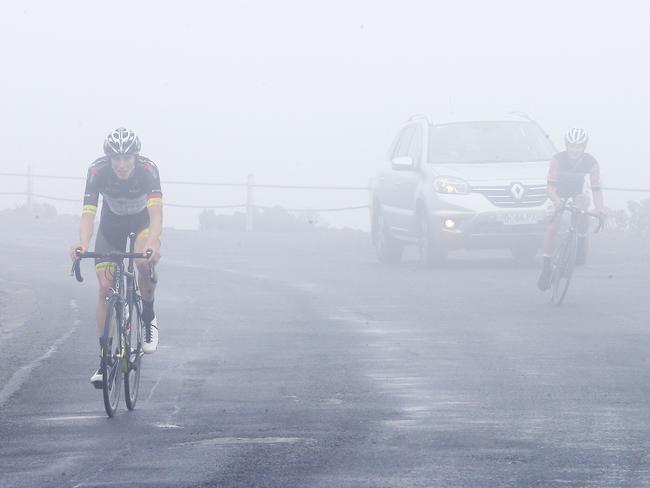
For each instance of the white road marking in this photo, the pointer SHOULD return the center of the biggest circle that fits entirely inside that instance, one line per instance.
(19, 378)
(167, 426)
(227, 441)
(71, 418)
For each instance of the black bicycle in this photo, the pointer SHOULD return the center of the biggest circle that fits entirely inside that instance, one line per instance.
(564, 257)
(121, 343)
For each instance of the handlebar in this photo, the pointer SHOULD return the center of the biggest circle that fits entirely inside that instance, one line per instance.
(111, 256)
(571, 207)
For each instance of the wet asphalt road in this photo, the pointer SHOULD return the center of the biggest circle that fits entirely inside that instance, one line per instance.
(296, 360)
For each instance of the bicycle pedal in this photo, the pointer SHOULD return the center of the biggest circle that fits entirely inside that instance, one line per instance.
(97, 384)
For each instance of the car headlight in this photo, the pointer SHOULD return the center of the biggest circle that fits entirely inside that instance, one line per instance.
(451, 185)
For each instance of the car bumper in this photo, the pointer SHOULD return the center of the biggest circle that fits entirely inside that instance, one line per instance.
(500, 228)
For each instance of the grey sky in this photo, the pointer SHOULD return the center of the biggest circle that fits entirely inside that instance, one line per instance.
(305, 92)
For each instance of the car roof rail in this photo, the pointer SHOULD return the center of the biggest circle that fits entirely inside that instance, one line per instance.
(522, 115)
(415, 117)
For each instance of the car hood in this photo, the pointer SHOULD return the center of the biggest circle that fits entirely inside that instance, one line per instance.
(495, 173)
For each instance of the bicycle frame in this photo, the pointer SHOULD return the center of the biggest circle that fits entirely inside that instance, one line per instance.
(123, 304)
(125, 288)
(565, 254)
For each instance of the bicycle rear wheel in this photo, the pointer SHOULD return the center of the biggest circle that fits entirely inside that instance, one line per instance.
(563, 265)
(112, 357)
(134, 360)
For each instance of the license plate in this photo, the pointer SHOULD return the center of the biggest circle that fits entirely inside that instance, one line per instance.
(519, 218)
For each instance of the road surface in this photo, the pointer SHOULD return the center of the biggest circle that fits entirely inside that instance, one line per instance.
(296, 360)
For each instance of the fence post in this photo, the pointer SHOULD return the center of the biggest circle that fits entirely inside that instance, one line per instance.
(250, 207)
(29, 189)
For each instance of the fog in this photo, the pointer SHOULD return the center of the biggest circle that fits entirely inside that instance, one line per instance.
(317, 357)
(304, 92)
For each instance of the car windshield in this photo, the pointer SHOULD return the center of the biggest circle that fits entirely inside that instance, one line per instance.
(488, 142)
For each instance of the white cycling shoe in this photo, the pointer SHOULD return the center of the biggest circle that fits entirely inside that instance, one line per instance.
(150, 343)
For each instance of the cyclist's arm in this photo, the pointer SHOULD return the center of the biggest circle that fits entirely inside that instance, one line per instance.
(155, 224)
(86, 229)
(596, 190)
(154, 207)
(552, 181)
(91, 199)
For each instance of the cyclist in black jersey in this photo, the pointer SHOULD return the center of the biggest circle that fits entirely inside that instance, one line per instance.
(566, 179)
(131, 202)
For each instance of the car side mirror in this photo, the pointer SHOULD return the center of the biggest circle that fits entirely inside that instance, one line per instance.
(403, 163)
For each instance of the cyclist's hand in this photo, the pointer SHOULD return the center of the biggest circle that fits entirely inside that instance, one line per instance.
(155, 253)
(73, 251)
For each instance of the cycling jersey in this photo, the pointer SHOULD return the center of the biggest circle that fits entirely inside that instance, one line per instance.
(568, 175)
(122, 197)
(125, 203)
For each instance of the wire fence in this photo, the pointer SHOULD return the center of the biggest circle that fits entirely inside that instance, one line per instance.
(249, 186)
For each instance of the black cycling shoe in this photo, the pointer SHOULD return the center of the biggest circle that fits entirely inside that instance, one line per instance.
(544, 281)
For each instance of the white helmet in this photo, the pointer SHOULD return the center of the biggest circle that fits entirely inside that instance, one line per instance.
(122, 141)
(576, 135)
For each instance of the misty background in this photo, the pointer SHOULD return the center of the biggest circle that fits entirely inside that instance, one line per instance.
(308, 93)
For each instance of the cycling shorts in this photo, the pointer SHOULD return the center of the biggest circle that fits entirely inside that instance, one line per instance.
(113, 234)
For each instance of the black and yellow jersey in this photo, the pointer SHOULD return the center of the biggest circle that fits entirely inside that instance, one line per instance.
(122, 197)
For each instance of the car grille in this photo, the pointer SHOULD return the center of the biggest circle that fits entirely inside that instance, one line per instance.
(502, 196)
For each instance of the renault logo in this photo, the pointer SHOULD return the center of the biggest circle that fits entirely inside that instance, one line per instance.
(518, 190)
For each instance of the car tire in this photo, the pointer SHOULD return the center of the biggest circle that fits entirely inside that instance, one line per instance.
(430, 251)
(389, 250)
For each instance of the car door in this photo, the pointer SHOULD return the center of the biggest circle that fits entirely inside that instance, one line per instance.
(408, 181)
(390, 179)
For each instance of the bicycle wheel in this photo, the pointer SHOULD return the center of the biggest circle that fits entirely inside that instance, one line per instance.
(112, 354)
(133, 363)
(563, 264)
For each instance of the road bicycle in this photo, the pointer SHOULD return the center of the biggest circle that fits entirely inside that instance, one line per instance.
(121, 342)
(564, 257)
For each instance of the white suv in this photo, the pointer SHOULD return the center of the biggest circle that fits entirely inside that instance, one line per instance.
(462, 185)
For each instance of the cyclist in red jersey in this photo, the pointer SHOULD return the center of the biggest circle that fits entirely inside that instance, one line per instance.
(566, 179)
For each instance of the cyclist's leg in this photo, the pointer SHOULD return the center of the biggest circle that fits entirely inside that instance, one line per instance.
(147, 286)
(544, 279)
(147, 290)
(549, 236)
(582, 201)
(109, 238)
(104, 271)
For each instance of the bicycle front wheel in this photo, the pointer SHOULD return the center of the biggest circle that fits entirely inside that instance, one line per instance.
(134, 359)
(112, 357)
(563, 264)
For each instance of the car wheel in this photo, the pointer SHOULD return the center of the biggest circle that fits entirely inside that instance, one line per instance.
(389, 250)
(431, 252)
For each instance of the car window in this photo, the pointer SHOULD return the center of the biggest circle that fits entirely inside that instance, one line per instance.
(482, 142)
(404, 143)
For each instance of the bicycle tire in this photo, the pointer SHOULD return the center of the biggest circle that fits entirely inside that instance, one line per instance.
(112, 354)
(134, 359)
(563, 265)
